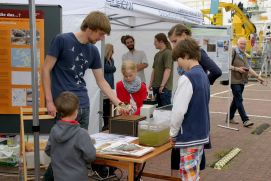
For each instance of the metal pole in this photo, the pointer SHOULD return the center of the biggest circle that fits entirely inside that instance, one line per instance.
(101, 120)
(229, 86)
(35, 90)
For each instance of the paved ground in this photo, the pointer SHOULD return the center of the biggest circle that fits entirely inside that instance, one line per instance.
(254, 161)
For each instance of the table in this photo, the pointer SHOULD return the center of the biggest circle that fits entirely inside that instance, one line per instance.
(128, 162)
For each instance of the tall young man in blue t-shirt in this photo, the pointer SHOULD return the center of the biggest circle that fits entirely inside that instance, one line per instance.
(69, 56)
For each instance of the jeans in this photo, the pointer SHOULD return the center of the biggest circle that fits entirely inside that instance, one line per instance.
(237, 102)
(106, 113)
(83, 117)
(164, 98)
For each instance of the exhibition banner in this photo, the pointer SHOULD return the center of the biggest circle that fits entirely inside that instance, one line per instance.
(15, 59)
(216, 43)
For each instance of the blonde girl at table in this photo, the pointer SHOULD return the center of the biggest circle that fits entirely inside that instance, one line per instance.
(131, 90)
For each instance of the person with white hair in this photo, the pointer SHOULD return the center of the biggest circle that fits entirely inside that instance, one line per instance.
(239, 77)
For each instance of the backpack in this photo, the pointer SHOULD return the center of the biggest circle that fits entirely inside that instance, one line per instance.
(226, 82)
(233, 57)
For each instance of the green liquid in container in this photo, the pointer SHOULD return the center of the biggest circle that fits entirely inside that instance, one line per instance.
(150, 135)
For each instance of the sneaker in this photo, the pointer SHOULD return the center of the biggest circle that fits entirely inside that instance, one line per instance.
(232, 121)
(248, 123)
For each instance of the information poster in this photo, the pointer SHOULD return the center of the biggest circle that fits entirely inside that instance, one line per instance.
(15, 59)
(216, 43)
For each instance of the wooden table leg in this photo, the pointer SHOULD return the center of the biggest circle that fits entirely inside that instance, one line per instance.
(131, 171)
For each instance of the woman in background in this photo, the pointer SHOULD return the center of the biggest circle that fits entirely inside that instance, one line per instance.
(131, 90)
(109, 67)
(109, 70)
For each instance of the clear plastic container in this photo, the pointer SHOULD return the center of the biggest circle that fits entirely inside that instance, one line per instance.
(151, 133)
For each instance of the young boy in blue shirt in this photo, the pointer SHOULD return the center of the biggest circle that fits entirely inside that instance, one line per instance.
(69, 145)
(190, 124)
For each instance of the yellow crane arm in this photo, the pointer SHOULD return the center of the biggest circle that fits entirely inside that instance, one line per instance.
(248, 25)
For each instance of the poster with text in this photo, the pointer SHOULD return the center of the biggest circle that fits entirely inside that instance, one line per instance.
(15, 59)
(216, 43)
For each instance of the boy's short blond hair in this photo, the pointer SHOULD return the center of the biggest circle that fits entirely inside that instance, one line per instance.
(128, 65)
(96, 20)
(66, 103)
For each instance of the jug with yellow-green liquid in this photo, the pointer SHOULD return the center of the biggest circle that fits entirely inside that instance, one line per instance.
(153, 133)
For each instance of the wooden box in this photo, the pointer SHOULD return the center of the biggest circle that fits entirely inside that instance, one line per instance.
(125, 125)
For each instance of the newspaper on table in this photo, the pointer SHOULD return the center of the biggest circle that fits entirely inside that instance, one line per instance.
(124, 148)
(101, 139)
(106, 143)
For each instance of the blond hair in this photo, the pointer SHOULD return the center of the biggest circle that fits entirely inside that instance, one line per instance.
(128, 65)
(108, 50)
(96, 20)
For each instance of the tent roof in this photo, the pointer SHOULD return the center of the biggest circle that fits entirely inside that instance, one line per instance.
(124, 12)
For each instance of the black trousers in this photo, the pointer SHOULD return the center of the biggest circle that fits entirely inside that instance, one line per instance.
(106, 113)
(49, 176)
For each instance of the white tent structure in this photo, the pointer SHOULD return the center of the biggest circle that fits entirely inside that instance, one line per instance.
(140, 18)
